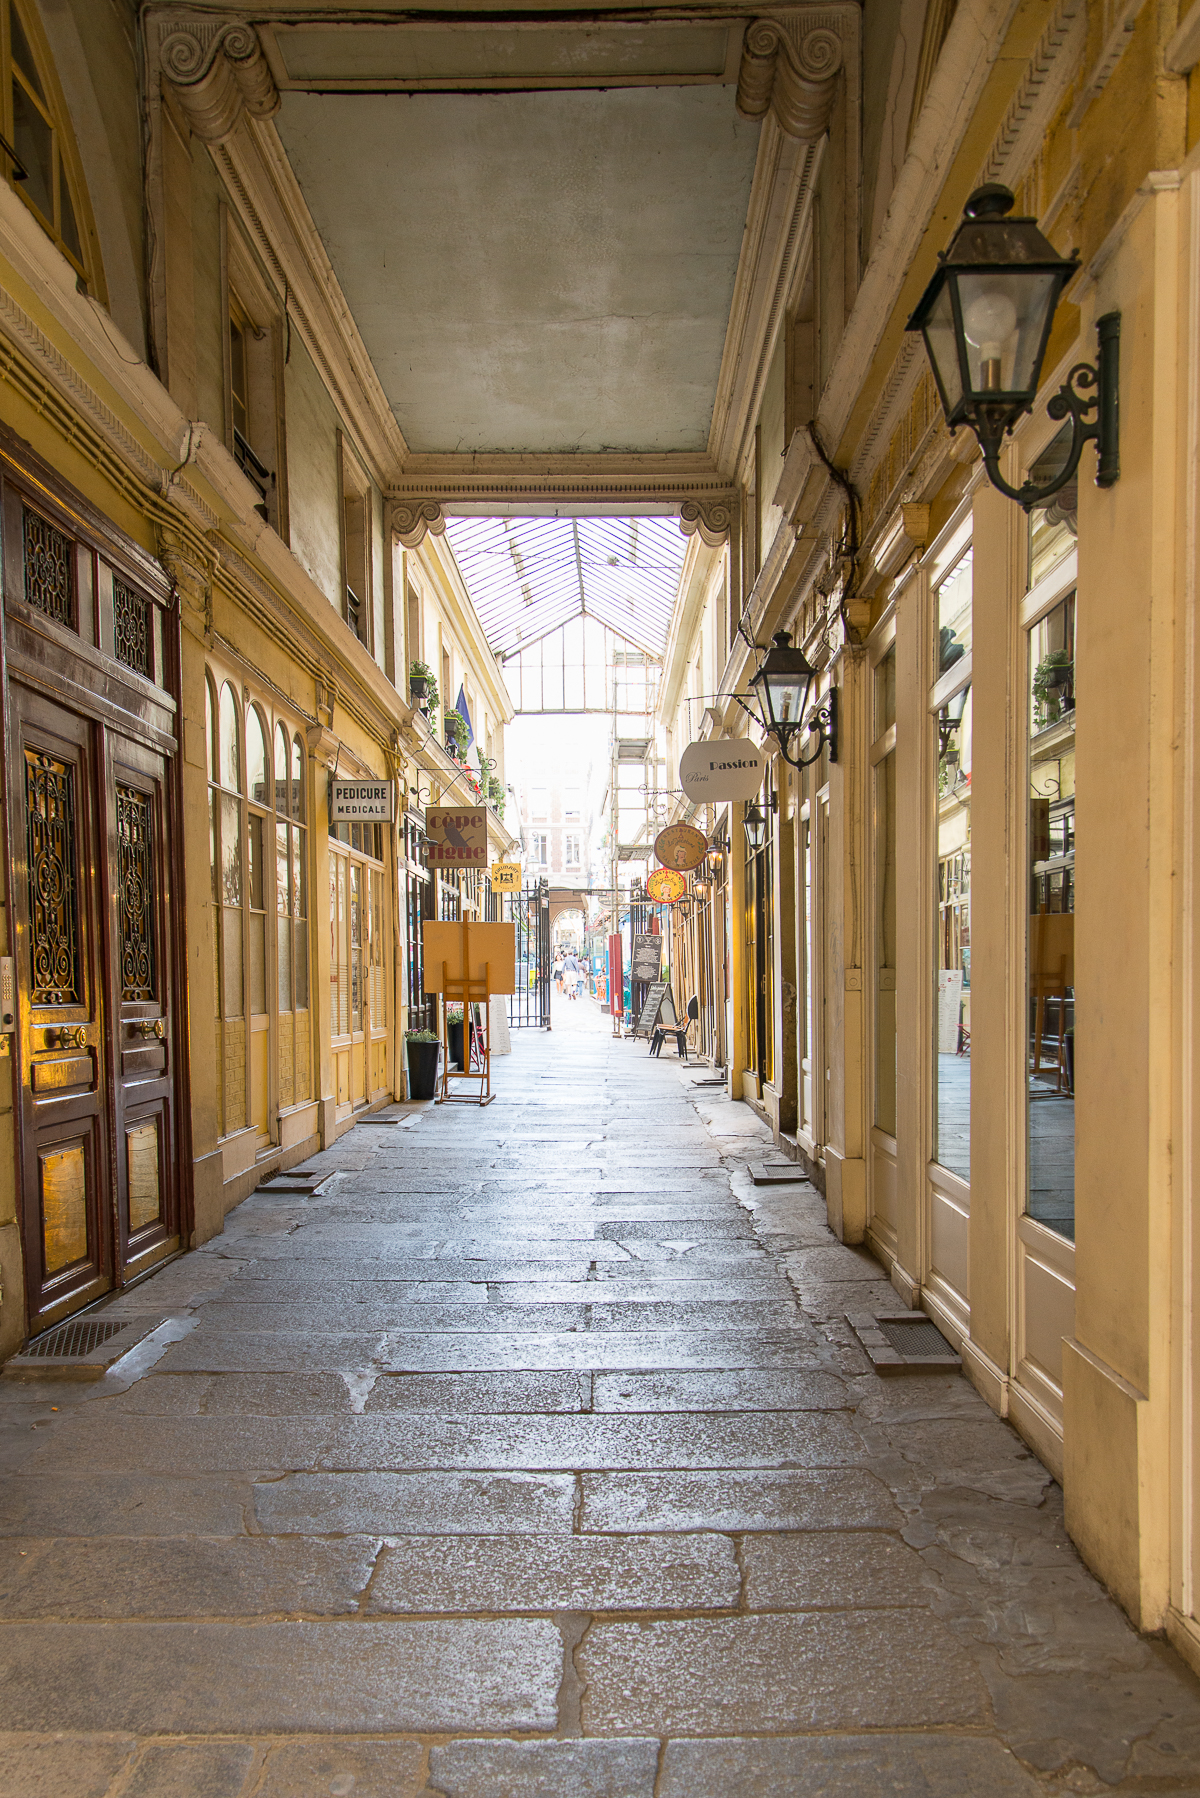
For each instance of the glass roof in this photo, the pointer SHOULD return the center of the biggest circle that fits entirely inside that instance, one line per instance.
(528, 576)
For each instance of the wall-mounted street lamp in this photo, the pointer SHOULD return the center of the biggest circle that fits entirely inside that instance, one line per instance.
(783, 685)
(755, 826)
(986, 318)
(715, 858)
(949, 719)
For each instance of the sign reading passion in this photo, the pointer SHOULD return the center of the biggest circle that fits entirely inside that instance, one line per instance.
(357, 799)
(457, 836)
(714, 772)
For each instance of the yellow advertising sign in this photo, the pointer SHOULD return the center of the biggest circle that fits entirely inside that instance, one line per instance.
(506, 877)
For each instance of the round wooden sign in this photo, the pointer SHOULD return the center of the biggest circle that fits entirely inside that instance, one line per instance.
(680, 846)
(665, 886)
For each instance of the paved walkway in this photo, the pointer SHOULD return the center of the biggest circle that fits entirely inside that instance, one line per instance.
(510, 1464)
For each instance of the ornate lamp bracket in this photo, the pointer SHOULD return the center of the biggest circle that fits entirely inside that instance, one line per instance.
(823, 723)
(1088, 397)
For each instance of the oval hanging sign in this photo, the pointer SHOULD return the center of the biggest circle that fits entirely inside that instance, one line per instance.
(665, 886)
(680, 846)
(711, 773)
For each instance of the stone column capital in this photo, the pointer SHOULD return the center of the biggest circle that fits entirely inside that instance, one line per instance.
(218, 72)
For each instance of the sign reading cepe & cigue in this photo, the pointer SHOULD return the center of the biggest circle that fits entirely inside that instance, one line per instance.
(457, 836)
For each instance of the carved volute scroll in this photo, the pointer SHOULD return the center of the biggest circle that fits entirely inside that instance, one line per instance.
(217, 75)
(790, 72)
(712, 518)
(414, 520)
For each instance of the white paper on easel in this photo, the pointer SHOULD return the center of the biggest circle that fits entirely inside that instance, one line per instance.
(501, 1038)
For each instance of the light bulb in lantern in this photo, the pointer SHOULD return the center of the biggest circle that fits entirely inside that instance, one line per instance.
(989, 320)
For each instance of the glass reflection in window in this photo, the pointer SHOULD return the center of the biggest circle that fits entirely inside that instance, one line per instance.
(1053, 527)
(1051, 949)
(952, 1015)
(954, 615)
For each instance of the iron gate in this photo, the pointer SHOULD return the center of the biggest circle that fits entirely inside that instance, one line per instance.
(529, 910)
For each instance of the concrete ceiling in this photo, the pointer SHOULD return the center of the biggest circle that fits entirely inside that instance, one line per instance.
(557, 268)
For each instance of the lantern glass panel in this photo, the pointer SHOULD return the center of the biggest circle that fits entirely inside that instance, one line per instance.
(786, 693)
(941, 342)
(1004, 315)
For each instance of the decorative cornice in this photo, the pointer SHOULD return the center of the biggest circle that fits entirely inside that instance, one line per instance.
(791, 71)
(414, 520)
(712, 519)
(218, 72)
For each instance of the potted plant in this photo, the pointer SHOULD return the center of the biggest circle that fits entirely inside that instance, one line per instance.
(454, 1034)
(423, 686)
(422, 1049)
(495, 795)
(455, 727)
(1052, 695)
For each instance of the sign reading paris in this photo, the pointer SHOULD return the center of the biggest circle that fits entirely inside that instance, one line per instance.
(457, 836)
(720, 770)
(354, 800)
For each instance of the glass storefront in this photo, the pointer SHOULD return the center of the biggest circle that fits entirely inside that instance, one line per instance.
(883, 757)
(952, 902)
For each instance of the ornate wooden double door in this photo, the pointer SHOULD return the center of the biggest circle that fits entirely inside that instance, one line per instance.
(91, 660)
(91, 893)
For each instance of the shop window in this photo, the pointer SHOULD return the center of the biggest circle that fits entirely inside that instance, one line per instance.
(1050, 997)
(1054, 527)
(883, 758)
(45, 169)
(357, 961)
(951, 721)
(259, 869)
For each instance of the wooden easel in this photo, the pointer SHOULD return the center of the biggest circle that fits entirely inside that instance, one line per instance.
(467, 992)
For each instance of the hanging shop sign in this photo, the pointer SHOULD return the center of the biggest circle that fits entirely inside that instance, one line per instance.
(647, 957)
(666, 885)
(680, 846)
(457, 836)
(711, 773)
(353, 800)
(506, 877)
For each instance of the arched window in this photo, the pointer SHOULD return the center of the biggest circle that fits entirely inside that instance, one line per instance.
(46, 170)
(230, 758)
(257, 789)
(210, 730)
(281, 769)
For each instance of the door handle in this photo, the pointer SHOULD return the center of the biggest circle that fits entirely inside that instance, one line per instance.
(67, 1036)
(151, 1027)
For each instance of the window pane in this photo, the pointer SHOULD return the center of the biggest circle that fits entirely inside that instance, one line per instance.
(885, 692)
(231, 761)
(231, 851)
(953, 600)
(67, 227)
(281, 770)
(1053, 527)
(33, 141)
(231, 962)
(297, 780)
(283, 951)
(885, 944)
(952, 1019)
(356, 936)
(255, 861)
(1051, 952)
(210, 731)
(22, 54)
(256, 759)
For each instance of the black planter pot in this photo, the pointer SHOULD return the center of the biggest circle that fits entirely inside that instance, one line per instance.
(422, 1069)
(454, 1035)
(418, 686)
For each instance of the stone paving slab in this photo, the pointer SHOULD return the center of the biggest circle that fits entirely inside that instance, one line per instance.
(738, 1500)
(544, 1769)
(556, 1573)
(191, 1770)
(190, 1445)
(400, 1504)
(588, 1312)
(122, 1504)
(247, 1576)
(849, 1670)
(903, 1766)
(34, 1765)
(219, 1678)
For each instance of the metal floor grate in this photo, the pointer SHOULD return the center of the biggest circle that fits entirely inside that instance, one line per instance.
(73, 1339)
(916, 1341)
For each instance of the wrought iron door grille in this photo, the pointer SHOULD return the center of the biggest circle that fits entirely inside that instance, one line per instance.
(74, 1339)
(49, 586)
(132, 636)
(135, 839)
(53, 918)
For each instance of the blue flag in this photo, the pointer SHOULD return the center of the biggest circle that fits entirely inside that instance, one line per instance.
(461, 708)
